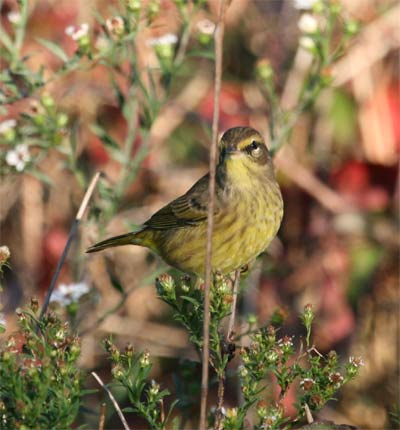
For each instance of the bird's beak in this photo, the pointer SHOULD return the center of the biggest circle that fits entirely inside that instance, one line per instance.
(230, 151)
(227, 153)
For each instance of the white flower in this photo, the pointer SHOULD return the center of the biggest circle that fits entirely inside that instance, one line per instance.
(155, 388)
(67, 294)
(77, 33)
(115, 25)
(18, 157)
(3, 321)
(304, 4)
(6, 125)
(356, 361)
(285, 341)
(307, 43)
(4, 254)
(206, 26)
(307, 384)
(167, 39)
(14, 17)
(307, 23)
(243, 372)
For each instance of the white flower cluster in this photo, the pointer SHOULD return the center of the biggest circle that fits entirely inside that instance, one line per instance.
(14, 17)
(7, 125)
(18, 157)
(67, 294)
(76, 33)
(308, 23)
(206, 26)
(166, 39)
(304, 4)
(356, 361)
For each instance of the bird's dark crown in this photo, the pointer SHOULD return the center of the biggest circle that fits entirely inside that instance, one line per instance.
(237, 138)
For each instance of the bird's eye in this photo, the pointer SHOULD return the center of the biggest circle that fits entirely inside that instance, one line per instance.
(254, 149)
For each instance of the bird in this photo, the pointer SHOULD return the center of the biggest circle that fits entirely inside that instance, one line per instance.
(248, 211)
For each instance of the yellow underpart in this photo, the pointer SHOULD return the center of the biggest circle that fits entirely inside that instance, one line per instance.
(242, 230)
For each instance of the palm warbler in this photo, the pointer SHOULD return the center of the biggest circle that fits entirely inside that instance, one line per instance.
(248, 212)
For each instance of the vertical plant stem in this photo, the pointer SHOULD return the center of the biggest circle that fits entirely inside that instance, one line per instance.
(235, 288)
(102, 419)
(220, 404)
(162, 414)
(309, 416)
(218, 36)
(71, 236)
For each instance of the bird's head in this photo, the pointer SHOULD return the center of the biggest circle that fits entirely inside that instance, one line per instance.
(243, 155)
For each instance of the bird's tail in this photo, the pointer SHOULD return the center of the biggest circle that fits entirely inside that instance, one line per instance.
(123, 239)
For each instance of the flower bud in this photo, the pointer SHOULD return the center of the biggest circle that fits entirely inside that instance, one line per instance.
(133, 5)
(308, 24)
(34, 304)
(307, 43)
(252, 319)
(47, 100)
(264, 70)
(351, 27)
(129, 350)
(145, 360)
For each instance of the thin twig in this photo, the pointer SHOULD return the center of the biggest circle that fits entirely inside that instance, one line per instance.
(220, 404)
(184, 42)
(113, 401)
(102, 419)
(71, 236)
(309, 416)
(235, 288)
(218, 37)
(162, 413)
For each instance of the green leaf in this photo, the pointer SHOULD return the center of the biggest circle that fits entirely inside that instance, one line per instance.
(171, 408)
(116, 284)
(6, 41)
(129, 409)
(109, 143)
(118, 93)
(202, 54)
(41, 176)
(191, 300)
(176, 424)
(54, 48)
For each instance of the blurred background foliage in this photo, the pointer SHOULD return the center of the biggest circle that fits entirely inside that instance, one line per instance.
(74, 108)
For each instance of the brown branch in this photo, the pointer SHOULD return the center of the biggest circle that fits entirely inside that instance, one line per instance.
(102, 419)
(218, 36)
(113, 401)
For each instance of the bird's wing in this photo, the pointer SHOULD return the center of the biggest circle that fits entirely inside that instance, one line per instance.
(189, 209)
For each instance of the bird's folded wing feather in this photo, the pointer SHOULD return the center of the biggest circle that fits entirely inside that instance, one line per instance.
(189, 209)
